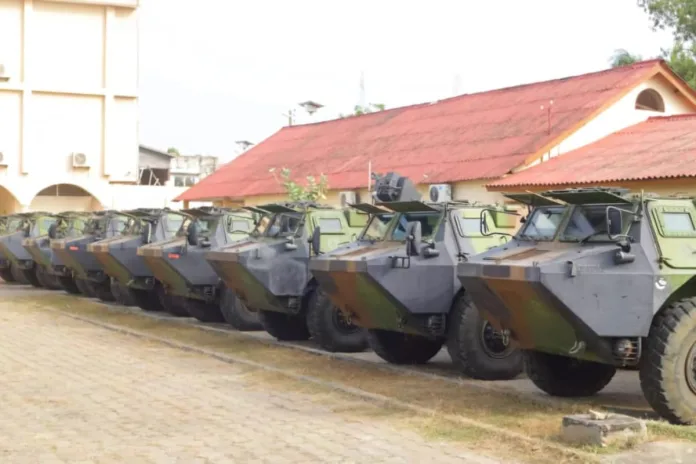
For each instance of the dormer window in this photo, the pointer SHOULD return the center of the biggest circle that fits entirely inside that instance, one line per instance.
(650, 100)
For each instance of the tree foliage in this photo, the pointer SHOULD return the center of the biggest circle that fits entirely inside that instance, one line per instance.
(173, 151)
(622, 57)
(313, 190)
(369, 108)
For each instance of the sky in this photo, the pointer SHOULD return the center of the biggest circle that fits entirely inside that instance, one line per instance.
(213, 72)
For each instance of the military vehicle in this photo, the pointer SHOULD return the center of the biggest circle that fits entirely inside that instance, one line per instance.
(87, 271)
(180, 265)
(5, 269)
(269, 272)
(399, 280)
(49, 268)
(598, 279)
(23, 226)
(132, 280)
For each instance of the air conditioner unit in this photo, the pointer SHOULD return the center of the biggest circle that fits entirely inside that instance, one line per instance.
(79, 160)
(440, 193)
(347, 198)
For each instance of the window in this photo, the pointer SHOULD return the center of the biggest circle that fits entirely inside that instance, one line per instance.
(678, 222)
(239, 225)
(377, 228)
(44, 223)
(543, 223)
(173, 222)
(330, 225)
(262, 225)
(650, 100)
(184, 181)
(586, 221)
(429, 222)
(284, 225)
(470, 226)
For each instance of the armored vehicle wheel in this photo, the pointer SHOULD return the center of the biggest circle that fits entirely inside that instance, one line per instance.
(47, 280)
(102, 290)
(85, 288)
(174, 305)
(567, 377)
(30, 277)
(6, 275)
(401, 348)
(144, 299)
(19, 276)
(122, 293)
(284, 327)
(330, 329)
(69, 285)
(668, 364)
(476, 348)
(237, 314)
(204, 312)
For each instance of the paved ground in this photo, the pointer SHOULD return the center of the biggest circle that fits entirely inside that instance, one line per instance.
(72, 392)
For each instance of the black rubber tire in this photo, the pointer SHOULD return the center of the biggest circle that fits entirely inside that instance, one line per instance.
(284, 327)
(237, 314)
(204, 312)
(468, 350)
(85, 288)
(666, 369)
(122, 293)
(567, 377)
(324, 323)
(47, 280)
(401, 348)
(145, 299)
(6, 275)
(173, 304)
(69, 284)
(102, 290)
(30, 276)
(19, 276)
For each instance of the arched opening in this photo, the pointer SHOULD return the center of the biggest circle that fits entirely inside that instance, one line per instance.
(8, 202)
(64, 197)
(650, 100)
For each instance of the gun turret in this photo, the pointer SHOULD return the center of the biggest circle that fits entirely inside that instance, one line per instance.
(392, 187)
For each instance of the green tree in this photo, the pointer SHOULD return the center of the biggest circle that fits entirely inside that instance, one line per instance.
(369, 108)
(313, 190)
(682, 60)
(173, 151)
(622, 57)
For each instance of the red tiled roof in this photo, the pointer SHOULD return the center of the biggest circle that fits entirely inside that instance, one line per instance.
(475, 136)
(659, 148)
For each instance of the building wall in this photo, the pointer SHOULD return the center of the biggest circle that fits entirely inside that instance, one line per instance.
(72, 88)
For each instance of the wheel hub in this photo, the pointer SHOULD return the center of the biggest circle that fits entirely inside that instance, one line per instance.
(343, 323)
(690, 373)
(495, 343)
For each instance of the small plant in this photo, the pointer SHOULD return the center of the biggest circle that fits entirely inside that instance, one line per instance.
(311, 191)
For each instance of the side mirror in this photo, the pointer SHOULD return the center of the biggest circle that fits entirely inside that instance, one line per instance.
(614, 220)
(483, 227)
(316, 241)
(414, 238)
(53, 230)
(192, 234)
(147, 231)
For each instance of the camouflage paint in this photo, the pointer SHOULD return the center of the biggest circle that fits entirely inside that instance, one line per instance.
(563, 297)
(11, 244)
(364, 282)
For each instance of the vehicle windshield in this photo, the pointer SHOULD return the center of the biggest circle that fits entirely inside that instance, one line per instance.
(237, 224)
(44, 223)
(470, 227)
(377, 227)
(587, 223)
(543, 223)
(262, 225)
(173, 222)
(14, 224)
(429, 222)
(284, 224)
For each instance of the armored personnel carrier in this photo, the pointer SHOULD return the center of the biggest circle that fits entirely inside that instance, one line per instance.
(49, 268)
(20, 227)
(179, 263)
(87, 271)
(598, 279)
(269, 272)
(132, 280)
(399, 280)
(6, 273)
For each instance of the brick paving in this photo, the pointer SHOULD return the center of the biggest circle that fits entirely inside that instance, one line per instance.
(73, 392)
